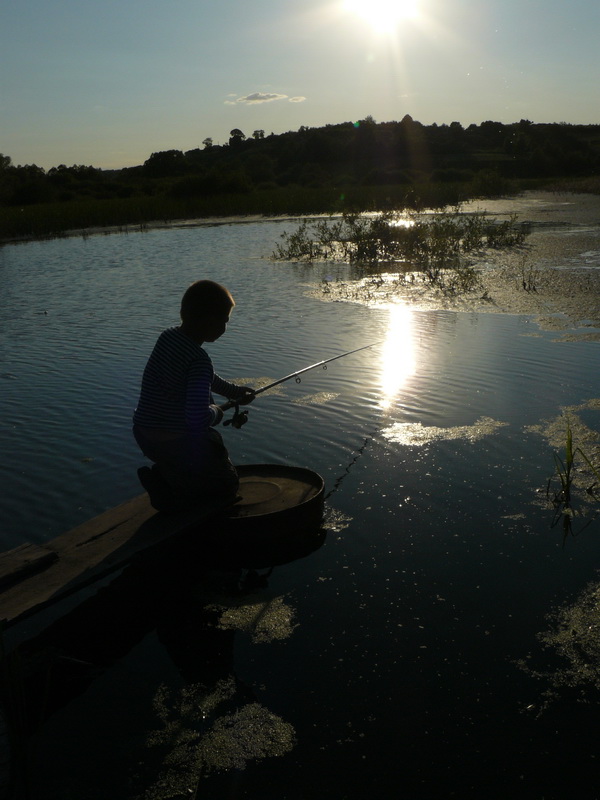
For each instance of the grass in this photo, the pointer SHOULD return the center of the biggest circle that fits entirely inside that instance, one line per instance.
(52, 220)
(434, 246)
(585, 185)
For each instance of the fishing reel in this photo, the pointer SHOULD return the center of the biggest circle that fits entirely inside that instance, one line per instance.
(239, 419)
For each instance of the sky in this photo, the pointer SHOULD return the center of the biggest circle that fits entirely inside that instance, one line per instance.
(107, 83)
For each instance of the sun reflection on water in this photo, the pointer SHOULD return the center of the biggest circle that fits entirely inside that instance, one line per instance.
(398, 356)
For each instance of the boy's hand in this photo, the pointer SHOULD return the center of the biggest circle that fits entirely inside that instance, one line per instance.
(247, 397)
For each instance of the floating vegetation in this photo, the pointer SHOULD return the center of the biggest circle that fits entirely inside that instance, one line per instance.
(432, 248)
(580, 337)
(258, 383)
(573, 635)
(416, 434)
(317, 399)
(336, 521)
(251, 733)
(188, 747)
(265, 619)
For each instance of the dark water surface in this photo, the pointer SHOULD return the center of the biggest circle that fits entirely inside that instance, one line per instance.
(384, 663)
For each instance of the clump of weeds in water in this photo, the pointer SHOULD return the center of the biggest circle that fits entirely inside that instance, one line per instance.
(432, 248)
(560, 488)
(529, 275)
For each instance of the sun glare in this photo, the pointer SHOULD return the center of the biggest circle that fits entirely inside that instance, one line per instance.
(398, 357)
(383, 15)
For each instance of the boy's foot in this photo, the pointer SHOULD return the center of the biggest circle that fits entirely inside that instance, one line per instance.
(158, 490)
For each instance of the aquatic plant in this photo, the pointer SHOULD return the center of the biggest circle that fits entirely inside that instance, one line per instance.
(560, 486)
(564, 472)
(529, 275)
(433, 246)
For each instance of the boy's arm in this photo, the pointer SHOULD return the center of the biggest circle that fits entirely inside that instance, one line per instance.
(200, 413)
(233, 391)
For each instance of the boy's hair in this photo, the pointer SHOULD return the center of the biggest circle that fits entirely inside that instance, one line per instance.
(204, 298)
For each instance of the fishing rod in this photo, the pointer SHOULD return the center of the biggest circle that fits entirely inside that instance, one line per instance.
(241, 417)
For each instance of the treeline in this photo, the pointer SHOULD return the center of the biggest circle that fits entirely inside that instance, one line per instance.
(365, 154)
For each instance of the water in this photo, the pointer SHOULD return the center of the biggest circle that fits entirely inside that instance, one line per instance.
(385, 662)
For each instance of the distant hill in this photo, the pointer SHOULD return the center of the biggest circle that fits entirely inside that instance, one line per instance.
(342, 156)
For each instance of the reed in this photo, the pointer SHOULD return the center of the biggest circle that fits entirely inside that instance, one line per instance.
(561, 484)
(140, 211)
(563, 469)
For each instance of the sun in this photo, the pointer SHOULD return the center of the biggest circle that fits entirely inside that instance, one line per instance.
(383, 15)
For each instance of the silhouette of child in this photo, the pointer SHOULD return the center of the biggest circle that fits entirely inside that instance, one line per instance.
(174, 421)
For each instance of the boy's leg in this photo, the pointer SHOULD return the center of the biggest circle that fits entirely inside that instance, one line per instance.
(194, 473)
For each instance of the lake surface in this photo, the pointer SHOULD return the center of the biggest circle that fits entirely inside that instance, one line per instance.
(402, 657)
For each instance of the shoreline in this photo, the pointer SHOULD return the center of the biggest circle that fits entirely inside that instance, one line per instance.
(146, 227)
(554, 277)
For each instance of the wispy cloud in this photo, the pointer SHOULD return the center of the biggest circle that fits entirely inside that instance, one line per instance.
(262, 97)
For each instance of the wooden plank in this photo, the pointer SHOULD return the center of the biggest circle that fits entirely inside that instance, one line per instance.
(24, 560)
(86, 553)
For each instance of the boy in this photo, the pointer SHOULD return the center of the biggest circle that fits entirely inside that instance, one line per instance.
(173, 422)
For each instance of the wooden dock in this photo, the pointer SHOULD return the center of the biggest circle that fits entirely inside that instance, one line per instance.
(33, 577)
(276, 518)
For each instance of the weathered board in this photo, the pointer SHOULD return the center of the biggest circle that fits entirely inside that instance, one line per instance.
(270, 497)
(32, 577)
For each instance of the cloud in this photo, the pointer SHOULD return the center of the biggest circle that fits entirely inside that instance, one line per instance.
(262, 97)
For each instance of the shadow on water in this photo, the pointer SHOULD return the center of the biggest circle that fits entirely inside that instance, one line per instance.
(192, 600)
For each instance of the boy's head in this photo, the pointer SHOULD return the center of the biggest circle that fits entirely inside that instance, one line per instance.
(205, 310)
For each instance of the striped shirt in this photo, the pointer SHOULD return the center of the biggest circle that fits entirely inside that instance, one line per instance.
(177, 386)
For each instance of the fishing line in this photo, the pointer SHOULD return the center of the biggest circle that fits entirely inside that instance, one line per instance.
(241, 417)
(357, 454)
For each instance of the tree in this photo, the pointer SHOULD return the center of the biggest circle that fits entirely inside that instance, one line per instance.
(258, 134)
(208, 143)
(237, 137)
(31, 186)
(165, 164)
(6, 182)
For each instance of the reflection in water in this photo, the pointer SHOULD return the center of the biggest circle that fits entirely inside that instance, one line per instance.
(398, 357)
(206, 721)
